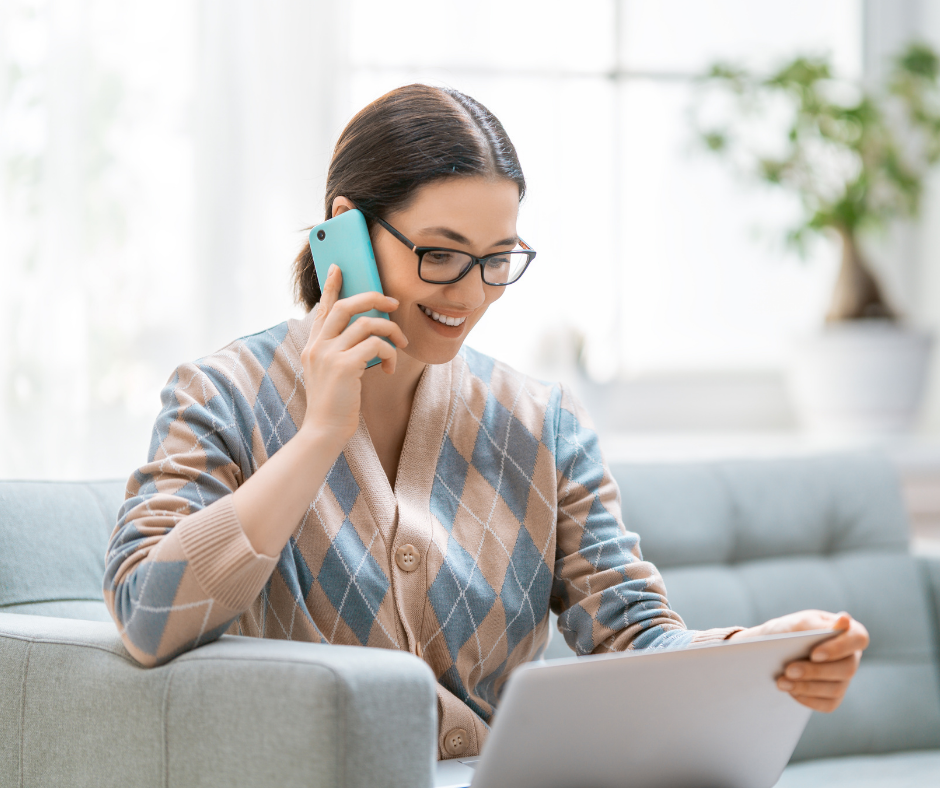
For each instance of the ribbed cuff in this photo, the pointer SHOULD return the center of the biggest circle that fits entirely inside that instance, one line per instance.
(220, 555)
(715, 635)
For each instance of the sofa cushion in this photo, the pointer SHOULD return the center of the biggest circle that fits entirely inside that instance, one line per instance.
(53, 537)
(740, 542)
(738, 510)
(899, 770)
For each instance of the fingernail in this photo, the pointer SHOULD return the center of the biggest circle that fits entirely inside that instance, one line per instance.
(794, 671)
(785, 685)
(393, 300)
(819, 656)
(333, 267)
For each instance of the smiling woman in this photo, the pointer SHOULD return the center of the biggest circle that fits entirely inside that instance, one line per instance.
(439, 503)
(481, 211)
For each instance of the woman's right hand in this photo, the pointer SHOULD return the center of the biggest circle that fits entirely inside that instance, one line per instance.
(336, 355)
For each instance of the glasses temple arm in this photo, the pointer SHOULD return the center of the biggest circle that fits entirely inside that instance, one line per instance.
(388, 227)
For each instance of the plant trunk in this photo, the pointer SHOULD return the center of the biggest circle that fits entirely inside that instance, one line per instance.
(857, 295)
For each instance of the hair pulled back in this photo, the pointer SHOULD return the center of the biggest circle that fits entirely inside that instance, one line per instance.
(409, 137)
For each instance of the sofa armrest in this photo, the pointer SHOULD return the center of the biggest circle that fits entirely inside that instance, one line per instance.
(78, 710)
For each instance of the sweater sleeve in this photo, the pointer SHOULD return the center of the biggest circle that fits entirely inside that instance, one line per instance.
(179, 569)
(607, 597)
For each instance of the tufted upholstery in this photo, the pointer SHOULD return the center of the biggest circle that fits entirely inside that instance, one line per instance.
(739, 542)
(76, 710)
(53, 537)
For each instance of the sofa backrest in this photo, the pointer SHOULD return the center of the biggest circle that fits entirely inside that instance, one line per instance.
(53, 538)
(739, 542)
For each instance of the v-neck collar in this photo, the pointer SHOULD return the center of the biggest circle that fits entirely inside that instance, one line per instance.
(423, 438)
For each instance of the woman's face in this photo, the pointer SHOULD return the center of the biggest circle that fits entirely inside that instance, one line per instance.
(469, 213)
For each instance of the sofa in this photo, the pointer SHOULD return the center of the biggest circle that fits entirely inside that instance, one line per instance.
(76, 710)
(737, 542)
(742, 541)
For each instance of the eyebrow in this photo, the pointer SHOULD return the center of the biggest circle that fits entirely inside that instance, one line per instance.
(458, 238)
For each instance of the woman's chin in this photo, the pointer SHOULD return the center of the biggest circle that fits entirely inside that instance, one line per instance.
(433, 353)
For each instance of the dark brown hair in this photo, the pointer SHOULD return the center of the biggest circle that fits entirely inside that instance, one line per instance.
(409, 137)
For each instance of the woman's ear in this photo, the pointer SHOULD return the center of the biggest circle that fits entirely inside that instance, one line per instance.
(341, 205)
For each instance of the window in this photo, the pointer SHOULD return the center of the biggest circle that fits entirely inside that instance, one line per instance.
(160, 160)
(647, 248)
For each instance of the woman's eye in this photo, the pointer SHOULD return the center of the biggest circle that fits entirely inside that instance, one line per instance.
(498, 262)
(439, 258)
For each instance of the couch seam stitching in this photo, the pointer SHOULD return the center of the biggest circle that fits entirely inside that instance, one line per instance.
(166, 733)
(342, 725)
(62, 642)
(57, 482)
(55, 599)
(29, 648)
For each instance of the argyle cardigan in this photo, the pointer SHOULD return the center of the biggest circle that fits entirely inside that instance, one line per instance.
(501, 489)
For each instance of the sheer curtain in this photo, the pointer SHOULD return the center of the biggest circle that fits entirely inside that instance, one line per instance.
(159, 162)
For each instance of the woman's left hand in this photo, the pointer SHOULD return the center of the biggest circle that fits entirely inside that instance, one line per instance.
(821, 681)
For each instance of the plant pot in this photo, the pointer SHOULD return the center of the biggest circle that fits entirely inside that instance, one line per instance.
(860, 378)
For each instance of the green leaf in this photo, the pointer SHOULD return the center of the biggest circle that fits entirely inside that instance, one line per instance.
(715, 140)
(919, 59)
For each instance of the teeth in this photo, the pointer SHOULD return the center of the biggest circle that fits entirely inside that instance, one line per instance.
(447, 321)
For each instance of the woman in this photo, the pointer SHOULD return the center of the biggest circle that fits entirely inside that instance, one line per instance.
(438, 503)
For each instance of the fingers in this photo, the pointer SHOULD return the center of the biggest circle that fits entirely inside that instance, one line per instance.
(813, 689)
(375, 346)
(332, 323)
(799, 677)
(329, 293)
(342, 311)
(825, 705)
(854, 639)
(805, 670)
(365, 327)
(820, 686)
(354, 305)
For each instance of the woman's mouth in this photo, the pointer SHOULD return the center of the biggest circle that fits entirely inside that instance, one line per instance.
(444, 319)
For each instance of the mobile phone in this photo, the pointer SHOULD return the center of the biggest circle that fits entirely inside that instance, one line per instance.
(344, 241)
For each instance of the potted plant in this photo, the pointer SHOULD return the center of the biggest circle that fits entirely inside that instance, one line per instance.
(856, 159)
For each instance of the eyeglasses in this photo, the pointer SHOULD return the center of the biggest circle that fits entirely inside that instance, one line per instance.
(446, 266)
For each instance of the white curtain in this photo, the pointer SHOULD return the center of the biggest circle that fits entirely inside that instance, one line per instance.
(159, 162)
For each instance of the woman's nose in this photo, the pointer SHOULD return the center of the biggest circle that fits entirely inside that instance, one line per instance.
(469, 292)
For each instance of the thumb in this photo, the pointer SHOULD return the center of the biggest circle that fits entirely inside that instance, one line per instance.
(843, 621)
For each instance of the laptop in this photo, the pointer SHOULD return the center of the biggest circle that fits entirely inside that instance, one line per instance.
(707, 715)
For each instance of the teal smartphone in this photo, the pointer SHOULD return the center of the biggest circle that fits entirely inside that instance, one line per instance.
(344, 241)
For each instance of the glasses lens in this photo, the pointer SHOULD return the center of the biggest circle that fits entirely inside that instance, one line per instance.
(505, 268)
(443, 265)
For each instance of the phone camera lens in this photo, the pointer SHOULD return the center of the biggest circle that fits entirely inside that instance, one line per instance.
(321, 234)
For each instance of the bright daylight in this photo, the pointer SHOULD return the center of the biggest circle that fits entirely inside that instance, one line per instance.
(470, 394)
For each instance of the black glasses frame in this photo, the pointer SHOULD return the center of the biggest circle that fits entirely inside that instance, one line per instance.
(421, 251)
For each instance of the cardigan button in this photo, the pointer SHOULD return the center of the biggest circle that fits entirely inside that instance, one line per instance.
(456, 741)
(407, 558)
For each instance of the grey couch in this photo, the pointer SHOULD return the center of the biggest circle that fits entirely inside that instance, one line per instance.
(738, 542)
(76, 710)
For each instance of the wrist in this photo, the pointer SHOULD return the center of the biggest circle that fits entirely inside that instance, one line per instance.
(316, 439)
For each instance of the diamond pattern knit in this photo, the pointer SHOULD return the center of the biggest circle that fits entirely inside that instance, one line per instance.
(502, 491)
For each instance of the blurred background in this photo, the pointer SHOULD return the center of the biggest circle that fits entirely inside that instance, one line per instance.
(160, 161)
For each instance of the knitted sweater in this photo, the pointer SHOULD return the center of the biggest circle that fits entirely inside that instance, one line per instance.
(503, 508)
